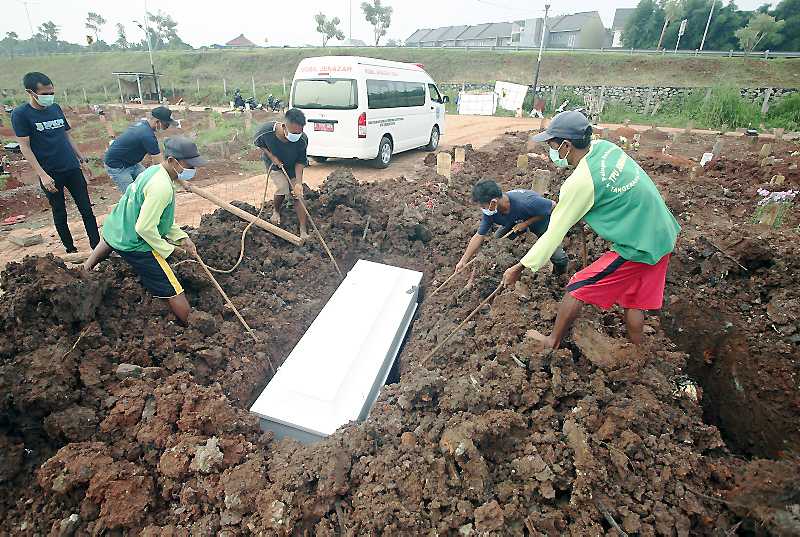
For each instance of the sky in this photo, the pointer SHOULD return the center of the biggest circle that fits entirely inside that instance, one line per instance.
(290, 22)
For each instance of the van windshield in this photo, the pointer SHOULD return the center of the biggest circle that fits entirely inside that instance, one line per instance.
(325, 94)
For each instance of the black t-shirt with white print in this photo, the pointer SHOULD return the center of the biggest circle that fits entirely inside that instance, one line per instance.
(290, 153)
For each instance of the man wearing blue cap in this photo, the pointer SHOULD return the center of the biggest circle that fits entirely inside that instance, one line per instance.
(614, 195)
(141, 228)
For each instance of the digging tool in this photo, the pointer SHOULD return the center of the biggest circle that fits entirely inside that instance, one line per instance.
(465, 321)
(726, 254)
(313, 225)
(244, 215)
(584, 255)
(471, 261)
(227, 300)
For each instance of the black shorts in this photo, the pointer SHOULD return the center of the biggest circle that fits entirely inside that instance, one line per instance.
(154, 272)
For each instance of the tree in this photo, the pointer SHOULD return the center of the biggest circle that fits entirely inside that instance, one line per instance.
(48, 31)
(789, 12)
(122, 37)
(394, 43)
(328, 28)
(94, 22)
(641, 29)
(379, 16)
(761, 28)
(9, 43)
(163, 32)
(673, 10)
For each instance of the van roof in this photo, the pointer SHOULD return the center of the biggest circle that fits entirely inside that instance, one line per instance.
(362, 60)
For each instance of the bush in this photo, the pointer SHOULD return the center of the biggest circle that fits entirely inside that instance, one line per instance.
(725, 106)
(786, 113)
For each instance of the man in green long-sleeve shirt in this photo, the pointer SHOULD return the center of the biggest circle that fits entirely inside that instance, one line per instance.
(614, 195)
(141, 228)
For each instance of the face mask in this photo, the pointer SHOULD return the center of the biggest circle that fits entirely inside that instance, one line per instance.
(556, 158)
(186, 173)
(489, 212)
(292, 137)
(44, 100)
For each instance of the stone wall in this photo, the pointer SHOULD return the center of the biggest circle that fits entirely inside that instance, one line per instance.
(632, 96)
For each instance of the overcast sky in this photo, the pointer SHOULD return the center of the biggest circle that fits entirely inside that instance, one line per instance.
(288, 22)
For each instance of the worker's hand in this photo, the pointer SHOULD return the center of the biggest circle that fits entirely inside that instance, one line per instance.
(297, 191)
(511, 276)
(276, 161)
(48, 183)
(189, 247)
(520, 227)
(87, 171)
(460, 266)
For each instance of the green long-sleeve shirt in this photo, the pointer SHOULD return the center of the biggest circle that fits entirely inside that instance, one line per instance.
(144, 218)
(615, 196)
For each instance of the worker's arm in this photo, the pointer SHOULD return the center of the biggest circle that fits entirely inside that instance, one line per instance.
(156, 199)
(576, 198)
(264, 149)
(526, 223)
(574, 201)
(473, 246)
(297, 189)
(27, 152)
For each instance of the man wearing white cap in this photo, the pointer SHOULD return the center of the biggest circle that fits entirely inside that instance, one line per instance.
(614, 195)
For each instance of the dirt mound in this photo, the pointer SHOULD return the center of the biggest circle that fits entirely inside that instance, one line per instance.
(114, 419)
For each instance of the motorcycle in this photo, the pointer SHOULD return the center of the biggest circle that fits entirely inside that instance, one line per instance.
(273, 104)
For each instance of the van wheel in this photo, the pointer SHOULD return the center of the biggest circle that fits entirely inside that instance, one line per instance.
(434, 140)
(320, 159)
(384, 153)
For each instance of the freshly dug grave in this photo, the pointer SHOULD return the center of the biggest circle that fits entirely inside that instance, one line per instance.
(116, 420)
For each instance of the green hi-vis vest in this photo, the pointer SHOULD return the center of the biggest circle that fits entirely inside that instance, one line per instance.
(628, 209)
(119, 228)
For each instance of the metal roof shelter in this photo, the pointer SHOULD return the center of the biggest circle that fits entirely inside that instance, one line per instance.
(137, 84)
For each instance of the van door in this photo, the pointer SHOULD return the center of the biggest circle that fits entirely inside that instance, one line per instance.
(331, 109)
(437, 105)
(418, 116)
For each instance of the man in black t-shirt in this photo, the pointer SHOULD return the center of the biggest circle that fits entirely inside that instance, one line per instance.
(42, 131)
(284, 146)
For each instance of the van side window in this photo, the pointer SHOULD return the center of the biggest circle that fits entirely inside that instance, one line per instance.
(394, 94)
(435, 96)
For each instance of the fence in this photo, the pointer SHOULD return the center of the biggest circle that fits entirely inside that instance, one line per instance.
(766, 54)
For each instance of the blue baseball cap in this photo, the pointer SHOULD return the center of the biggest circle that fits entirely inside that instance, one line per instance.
(569, 125)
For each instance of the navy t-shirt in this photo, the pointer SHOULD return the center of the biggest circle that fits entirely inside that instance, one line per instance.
(290, 153)
(132, 145)
(524, 204)
(47, 130)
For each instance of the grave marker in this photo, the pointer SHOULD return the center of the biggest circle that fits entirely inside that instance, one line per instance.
(779, 133)
(766, 149)
(541, 181)
(444, 165)
(461, 154)
(777, 180)
(522, 162)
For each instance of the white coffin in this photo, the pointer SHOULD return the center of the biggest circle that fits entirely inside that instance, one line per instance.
(335, 372)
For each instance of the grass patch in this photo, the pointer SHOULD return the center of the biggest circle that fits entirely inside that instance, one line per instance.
(786, 114)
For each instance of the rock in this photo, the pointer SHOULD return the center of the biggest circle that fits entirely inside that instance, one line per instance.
(408, 440)
(207, 457)
(202, 321)
(466, 529)
(128, 370)
(66, 527)
(489, 517)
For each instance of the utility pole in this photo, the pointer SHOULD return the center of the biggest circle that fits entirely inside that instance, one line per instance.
(350, 31)
(541, 47)
(150, 50)
(28, 14)
(681, 31)
(708, 23)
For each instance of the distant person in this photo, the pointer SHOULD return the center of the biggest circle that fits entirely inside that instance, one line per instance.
(123, 160)
(612, 193)
(141, 228)
(284, 146)
(42, 131)
(238, 100)
(516, 212)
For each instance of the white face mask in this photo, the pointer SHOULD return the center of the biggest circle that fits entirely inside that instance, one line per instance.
(292, 137)
(489, 212)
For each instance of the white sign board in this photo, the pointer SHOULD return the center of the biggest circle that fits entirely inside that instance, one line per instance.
(477, 104)
(510, 96)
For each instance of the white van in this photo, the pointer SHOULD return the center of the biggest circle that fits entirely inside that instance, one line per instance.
(366, 108)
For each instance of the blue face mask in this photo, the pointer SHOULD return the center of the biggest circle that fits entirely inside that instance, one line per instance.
(44, 100)
(186, 173)
(556, 158)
